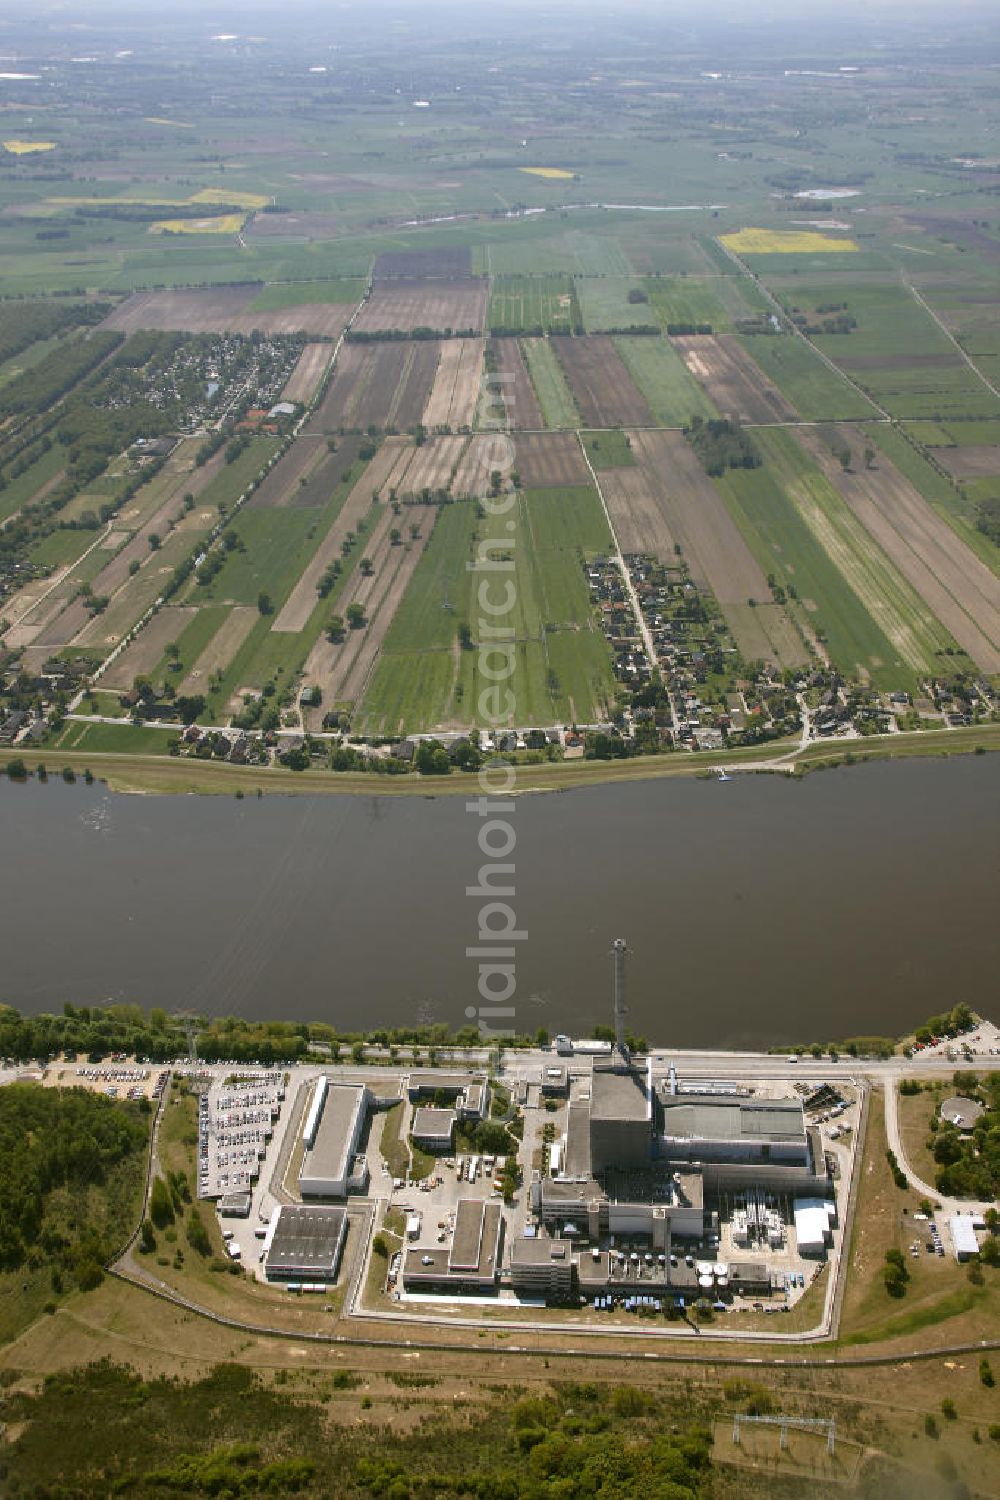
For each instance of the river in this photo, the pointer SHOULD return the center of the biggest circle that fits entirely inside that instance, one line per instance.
(760, 911)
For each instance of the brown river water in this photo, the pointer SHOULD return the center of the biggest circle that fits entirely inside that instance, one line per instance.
(760, 911)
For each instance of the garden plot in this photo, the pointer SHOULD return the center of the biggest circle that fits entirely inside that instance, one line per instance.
(735, 383)
(453, 397)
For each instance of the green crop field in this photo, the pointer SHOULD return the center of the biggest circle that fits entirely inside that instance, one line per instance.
(299, 294)
(18, 491)
(605, 304)
(531, 304)
(720, 301)
(561, 666)
(608, 450)
(951, 501)
(554, 395)
(671, 391)
(816, 392)
(850, 594)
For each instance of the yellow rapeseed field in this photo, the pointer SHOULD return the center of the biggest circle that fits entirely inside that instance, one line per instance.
(782, 242)
(162, 120)
(546, 172)
(221, 224)
(24, 148)
(230, 195)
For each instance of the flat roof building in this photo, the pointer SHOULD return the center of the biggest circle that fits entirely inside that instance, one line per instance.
(542, 1267)
(329, 1168)
(470, 1264)
(433, 1129)
(305, 1243)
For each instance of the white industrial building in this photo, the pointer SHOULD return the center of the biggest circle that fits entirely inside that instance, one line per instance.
(334, 1122)
(963, 1236)
(814, 1224)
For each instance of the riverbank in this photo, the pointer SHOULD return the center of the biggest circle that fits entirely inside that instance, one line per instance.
(170, 775)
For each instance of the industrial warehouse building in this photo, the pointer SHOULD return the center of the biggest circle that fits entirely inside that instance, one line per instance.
(305, 1244)
(334, 1122)
(470, 1264)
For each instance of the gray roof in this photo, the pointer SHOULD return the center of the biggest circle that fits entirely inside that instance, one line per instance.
(619, 1095)
(332, 1148)
(577, 1162)
(707, 1118)
(307, 1242)
(539, 1251)
(433, 1122)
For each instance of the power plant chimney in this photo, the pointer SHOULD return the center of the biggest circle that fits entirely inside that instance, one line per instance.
(620, 1011)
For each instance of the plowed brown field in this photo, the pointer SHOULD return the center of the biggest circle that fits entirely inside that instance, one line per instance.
(603, 387)
(404, 306)
(738, 386)
(953, 583)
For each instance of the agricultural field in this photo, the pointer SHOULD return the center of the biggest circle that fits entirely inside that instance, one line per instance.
(545, 459)
(861, 610)
(956, 588)
(510, 397)
(532, 304)
(555, 399)
(816, 392)
(609, 304)
(230, 309)
(718, 301)
(671, 391)
(895, 352)
(425, 679)
(734, 383)
(601, 385)
(304, 381)
(442, 307)
(695, 519)
(456, 389)
(378, 385)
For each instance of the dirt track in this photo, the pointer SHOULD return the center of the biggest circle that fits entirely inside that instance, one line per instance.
(953, 583)
(603, 387)
(453, 397)
(739, 388)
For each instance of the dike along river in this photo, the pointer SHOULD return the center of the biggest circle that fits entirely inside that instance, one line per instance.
(758, 911)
